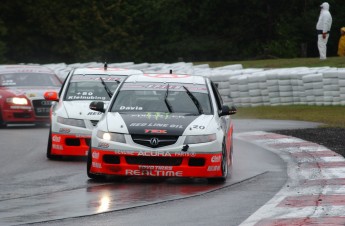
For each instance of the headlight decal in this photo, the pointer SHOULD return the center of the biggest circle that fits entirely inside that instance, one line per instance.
(71, 122)
(116, 137)
(196, 139)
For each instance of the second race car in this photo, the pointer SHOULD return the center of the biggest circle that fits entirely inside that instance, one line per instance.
(163, 125)
(21, 94)
(71, 118)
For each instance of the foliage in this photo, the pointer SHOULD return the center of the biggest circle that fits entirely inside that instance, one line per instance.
(44, 31)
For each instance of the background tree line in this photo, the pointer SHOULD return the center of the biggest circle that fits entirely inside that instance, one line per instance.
(47, 31)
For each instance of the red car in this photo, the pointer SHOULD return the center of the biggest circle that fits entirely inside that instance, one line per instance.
(21, 94)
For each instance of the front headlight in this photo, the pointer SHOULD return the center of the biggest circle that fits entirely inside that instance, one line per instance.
(196, 139)
(117, 137)
(71, 122)
(17, 100)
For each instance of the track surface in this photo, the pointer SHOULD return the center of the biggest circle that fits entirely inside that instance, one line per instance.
(36, 190)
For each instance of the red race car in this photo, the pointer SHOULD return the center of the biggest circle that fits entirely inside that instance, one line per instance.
(21, 94)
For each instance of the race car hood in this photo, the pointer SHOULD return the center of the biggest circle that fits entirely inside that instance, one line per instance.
(158, 123)
(29, 92)
(80, 110)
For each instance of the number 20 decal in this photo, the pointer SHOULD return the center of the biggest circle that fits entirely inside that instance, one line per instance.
(198, 127)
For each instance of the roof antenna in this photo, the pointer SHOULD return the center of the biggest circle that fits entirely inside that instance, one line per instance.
(105, 66)
(170, 71)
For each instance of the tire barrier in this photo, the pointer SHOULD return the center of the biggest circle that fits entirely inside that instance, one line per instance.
(251, 87)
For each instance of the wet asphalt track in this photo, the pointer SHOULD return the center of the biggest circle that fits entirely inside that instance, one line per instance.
(36, 190)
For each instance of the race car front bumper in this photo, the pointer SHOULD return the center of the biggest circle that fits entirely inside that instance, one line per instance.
(156, 164)
(70, 144)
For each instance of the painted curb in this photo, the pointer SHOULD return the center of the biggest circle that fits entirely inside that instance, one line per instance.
(314, 193)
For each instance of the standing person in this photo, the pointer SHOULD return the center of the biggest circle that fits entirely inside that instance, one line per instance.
(323, 27)
(341, 44)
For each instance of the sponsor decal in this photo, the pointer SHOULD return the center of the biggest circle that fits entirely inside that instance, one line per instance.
(95, 155)
(124, 152)
(216, 158)
(155, 153)
(156, 173)
(158, 115)
(159, 131)
(155, 167)
(57, 147)
(56, 138)
(184, 154)
(82, 136)
(165, 125)
(103, 145)
(213, 168)
(64, 130)
(97, 165)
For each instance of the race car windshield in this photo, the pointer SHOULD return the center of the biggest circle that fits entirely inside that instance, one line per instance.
(156, 101)
(90, 90)
(28, 79)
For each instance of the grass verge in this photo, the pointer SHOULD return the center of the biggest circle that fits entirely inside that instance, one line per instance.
(331, 116)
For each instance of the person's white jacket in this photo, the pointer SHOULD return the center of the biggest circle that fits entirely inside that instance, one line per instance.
(325, 19)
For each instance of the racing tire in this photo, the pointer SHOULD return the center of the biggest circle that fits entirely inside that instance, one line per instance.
(93, 176)
(50, 156)
(225, 168)
(2, 123)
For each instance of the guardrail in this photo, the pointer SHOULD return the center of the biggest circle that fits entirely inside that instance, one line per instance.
(253, 86)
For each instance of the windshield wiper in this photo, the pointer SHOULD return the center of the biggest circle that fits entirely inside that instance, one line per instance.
(166, 100)
(110, 94)
(195, 101)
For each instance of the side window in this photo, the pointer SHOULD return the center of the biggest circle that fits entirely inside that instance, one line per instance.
(217, 96)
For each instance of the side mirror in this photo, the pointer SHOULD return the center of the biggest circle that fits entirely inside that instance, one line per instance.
(226, 110)
(51, 96)
(97, 106)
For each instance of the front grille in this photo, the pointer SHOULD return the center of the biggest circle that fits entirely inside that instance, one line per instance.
(161, 140)
(196, 162)
(111, 159)
(72, 141)
(42, 107)
(149, 160)
(22, 115)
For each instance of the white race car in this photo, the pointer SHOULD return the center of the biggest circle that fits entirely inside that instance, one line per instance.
(71, 119)
(162, 125)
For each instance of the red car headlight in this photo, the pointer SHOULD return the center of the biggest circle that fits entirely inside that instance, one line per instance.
(17, 101)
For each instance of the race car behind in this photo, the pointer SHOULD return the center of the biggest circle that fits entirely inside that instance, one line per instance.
(71, 118)
(21, 94)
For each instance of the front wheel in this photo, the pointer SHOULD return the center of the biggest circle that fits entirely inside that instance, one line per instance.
(49, 148)
(2, 123)
(88, 168)
(225, 169)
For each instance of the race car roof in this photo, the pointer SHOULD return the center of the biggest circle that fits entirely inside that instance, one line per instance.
(108, 71)
(18, 68)
(167, 78)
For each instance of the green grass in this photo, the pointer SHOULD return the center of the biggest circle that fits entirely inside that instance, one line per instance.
(283, 63)
(333, 116)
